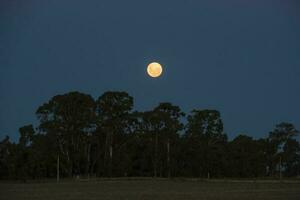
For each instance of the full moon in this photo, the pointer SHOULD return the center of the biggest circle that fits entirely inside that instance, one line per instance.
(154, 69)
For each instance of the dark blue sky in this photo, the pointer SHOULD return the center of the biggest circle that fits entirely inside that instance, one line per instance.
(241, 57)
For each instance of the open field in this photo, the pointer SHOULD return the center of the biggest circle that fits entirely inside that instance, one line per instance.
(151, 189)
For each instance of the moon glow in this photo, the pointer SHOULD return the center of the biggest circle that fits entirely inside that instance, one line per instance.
(154, 69)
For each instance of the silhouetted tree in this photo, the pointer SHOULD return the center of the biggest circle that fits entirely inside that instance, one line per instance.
(69, 118)
(281, 145)
(246, 157)
(7, 163)
(169, 117)
(113, 109)
(205, 150)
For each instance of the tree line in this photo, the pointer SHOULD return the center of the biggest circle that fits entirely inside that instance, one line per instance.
(79, 136)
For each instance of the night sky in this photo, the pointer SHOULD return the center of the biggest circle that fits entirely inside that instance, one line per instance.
(241, 57)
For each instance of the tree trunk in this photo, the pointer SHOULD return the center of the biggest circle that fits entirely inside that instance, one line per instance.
(155, 154)
(280, 169)
(57, 169)
(110, 159)
(106, 156)
(88, 160)
(168, 158)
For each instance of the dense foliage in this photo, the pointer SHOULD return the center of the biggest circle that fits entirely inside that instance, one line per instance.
(80, 136)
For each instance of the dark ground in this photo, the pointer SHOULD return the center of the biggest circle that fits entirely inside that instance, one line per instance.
(151, 189)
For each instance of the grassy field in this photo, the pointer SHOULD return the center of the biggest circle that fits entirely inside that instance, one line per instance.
(151, 189)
